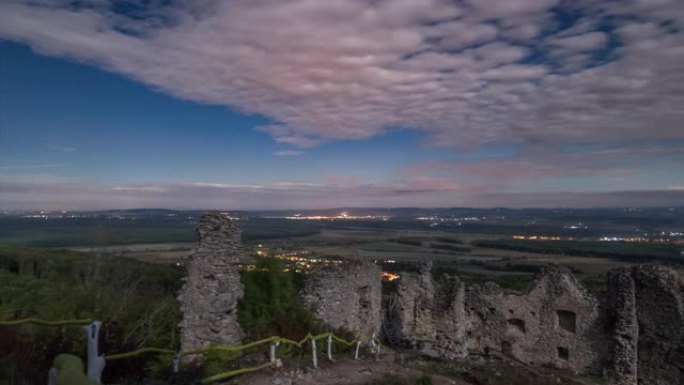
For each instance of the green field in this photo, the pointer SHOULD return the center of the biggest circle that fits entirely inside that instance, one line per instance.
(491, 253)
(631, 252)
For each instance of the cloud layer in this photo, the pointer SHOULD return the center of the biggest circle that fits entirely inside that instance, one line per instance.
(465, 73)
(415, 193)
(579, 88)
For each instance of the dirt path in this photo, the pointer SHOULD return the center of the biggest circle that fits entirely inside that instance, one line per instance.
(474, 370)
(344, 372)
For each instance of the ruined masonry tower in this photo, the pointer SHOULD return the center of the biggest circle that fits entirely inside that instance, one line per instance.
(212, 288)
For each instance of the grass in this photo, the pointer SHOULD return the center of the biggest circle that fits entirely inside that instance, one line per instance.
(632, 252)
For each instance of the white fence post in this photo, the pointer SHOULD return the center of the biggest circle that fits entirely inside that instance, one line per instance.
(330, 347)
(375, 347)
(52, 376)
(313, 353)
(176, 361)
(96, 362)
(272, 352)
(358, 345)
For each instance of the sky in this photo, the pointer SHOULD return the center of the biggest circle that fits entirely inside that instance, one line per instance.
(293, 104)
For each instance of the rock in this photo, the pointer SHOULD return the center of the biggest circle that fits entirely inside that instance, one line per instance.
(366, 371)
(281, 381)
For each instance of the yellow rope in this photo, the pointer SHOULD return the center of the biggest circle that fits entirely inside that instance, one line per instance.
(38, 321)
(138, 352)
(225, 348)
(232, 373)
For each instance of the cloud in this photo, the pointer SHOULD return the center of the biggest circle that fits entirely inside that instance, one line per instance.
(288, 153)
(415, 193)
(618, 162)
(335, 192)
(335, 70)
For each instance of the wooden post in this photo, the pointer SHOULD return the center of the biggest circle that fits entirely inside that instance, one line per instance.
(358, 345)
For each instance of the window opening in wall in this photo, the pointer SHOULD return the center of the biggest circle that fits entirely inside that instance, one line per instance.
(567, 320)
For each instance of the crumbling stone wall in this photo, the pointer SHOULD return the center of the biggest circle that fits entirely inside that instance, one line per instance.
(412, 314)
(660, 314)
(451, 323)
(632, 334)
(555, 323)
(622, 363)
(212, 288)
(347, 297)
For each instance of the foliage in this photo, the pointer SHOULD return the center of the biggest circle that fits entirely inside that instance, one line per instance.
(136, 302)
(448, 247)
(407, 241)
(271, 305)
(507, 282)
(449, 240)
(595, 283)
(218, 361)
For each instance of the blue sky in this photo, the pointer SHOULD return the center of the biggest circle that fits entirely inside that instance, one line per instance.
(433, 103)
(95, 126)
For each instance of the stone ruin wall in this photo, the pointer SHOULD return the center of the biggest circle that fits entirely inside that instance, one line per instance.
(633, 334)
(212, 288)
(555, 323)
(347, 297)
(427, 316)
(659, 294)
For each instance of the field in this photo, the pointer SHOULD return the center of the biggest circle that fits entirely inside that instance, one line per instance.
(459, 253)
(480, 250)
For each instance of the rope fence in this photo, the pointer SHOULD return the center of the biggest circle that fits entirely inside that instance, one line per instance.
(96, 361)
(42, 322)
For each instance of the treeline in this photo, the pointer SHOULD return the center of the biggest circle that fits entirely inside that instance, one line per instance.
(441, 246)
(443, 243)
(631, 252)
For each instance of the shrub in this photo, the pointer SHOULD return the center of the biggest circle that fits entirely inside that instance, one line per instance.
(271, 305)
